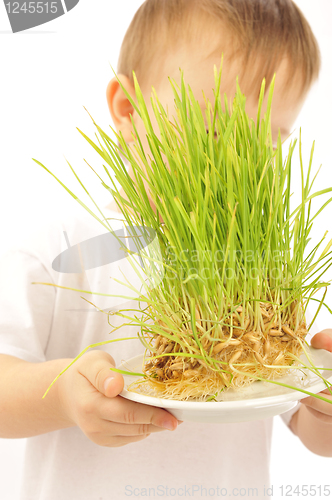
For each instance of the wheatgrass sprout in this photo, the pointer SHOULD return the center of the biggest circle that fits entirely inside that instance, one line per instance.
(237, 276)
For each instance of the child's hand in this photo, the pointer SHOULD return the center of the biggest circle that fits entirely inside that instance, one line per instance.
(318, 408)
(88, 392)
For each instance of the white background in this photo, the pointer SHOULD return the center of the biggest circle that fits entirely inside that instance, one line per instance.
(47, 75)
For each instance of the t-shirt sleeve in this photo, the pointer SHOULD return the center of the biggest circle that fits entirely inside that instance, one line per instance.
(26, 310)
(287, 416)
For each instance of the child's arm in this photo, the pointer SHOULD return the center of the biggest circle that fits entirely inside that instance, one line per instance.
(77, 398)
(23, 412)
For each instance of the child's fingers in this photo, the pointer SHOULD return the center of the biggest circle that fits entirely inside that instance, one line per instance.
(327, 391)
(322, 417)
(319, 405)
(113, 429)
(323, 340)
(123, 411)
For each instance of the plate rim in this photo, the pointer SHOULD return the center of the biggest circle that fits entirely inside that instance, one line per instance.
(262, 402)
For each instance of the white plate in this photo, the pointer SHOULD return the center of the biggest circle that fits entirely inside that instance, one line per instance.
(257, 401)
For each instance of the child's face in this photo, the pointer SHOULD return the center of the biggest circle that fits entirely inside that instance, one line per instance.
(198, 73)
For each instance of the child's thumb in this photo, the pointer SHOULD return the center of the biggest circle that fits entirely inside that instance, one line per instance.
(113, 383)
(97, 369)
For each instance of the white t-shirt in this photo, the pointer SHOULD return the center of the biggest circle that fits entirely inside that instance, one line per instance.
(40, 323)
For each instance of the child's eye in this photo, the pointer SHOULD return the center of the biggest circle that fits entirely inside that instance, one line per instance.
(207, 131)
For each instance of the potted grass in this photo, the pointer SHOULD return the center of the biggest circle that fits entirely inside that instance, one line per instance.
(237, 276)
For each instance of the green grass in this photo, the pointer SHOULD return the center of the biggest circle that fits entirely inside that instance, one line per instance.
(232, 249)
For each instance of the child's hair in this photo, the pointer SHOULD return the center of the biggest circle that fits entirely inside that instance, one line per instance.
(260, 32)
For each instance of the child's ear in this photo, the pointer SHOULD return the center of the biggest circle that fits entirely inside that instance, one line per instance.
(120, 107)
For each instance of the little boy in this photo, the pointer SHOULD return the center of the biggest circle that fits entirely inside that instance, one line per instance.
(77, 434)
